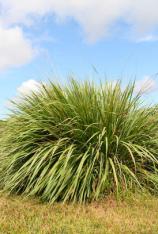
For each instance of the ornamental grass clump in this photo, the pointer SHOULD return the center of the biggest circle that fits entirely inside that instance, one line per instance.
(79, 142)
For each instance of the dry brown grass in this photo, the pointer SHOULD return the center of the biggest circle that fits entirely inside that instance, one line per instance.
(136, 215)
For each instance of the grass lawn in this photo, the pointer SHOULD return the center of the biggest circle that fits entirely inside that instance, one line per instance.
(137, 215)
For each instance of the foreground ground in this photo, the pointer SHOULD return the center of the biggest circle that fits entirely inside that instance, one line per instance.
(138, 215)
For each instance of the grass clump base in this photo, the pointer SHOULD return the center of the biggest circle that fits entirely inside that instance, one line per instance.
(79, 142)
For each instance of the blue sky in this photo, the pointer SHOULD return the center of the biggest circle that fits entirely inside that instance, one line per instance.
(49, 39)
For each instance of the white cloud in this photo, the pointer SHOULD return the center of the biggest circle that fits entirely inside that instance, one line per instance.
(96, 17)
(15, 49)
(147, 38)
(29, 86)
(145, 85)
(26, 88)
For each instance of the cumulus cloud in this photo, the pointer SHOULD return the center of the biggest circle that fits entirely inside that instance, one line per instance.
(26, 88)
(146, 85)
(96, 17)
(147, 38)
(29, 86)
(15, 49)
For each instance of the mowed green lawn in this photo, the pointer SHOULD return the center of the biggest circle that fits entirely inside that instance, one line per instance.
(137, 215)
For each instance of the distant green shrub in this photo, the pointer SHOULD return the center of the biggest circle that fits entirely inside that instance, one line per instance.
(79, 142)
